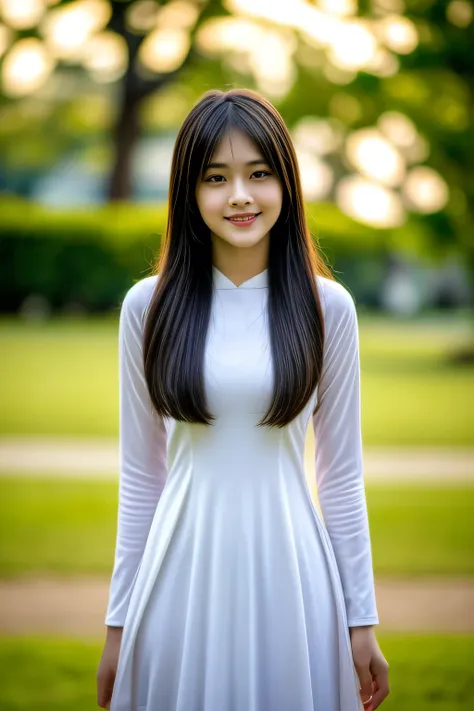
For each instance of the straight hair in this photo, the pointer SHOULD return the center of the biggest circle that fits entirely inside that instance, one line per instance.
(178, 315)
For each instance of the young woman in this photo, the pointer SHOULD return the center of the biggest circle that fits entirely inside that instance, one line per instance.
(228, 592)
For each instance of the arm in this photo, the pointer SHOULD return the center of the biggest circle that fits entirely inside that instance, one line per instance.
(338, 461)
(142, 456)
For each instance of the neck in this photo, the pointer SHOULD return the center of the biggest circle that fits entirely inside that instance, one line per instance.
(237, 263)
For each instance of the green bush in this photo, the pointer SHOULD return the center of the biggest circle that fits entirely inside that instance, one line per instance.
(91, 256)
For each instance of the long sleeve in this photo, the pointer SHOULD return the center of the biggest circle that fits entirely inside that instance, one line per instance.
(338, 458)
(142, 455)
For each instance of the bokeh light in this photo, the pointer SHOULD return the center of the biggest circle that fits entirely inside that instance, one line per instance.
(342, 8)
(164, 50)
(180, 14)
(270, 61)
(375, 157)
(26, 67)
(398, 128)
(383, 63)
(398, 34)
(142, 16)
(68, 28)
(353, 46)
(425, 190)
(6, 37)
(317, 177)
(106, 56)
(460, 13)
(320, 136)
(21, 14)
(369, 202)
(228, 34)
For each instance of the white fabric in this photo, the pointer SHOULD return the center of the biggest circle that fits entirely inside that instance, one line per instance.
(233, 593)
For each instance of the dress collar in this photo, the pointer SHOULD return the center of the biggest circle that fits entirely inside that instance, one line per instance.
(259, 281)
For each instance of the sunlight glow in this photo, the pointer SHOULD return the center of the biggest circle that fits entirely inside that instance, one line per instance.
(389, 6)
(320, 29)
(317, 177)
(419, 151)
(402, 132)
(375, 157)
(68, 28)
(142, 16)
(338, 76)
(261, 51)
(342, 8)
(270, 61)
(6, 37)
(398, 128)
(21, 14)
(369, 202)
(425, 190)
(26, 67)
(398, 34)
(350, 42)
(460, 13)
(353, 46)
(228, 33)
(383, 63)
(178, 14)
(318, 135)
(281, 12)
(164, 50)
(106, 56)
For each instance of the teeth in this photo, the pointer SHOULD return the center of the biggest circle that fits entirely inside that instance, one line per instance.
(241, 219)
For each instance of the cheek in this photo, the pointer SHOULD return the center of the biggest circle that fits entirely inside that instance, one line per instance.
(209, 203)
(271, 195)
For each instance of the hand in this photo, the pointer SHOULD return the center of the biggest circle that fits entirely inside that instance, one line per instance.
(108, 666)
(371, 666)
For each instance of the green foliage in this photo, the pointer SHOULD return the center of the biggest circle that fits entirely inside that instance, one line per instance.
(88, 257)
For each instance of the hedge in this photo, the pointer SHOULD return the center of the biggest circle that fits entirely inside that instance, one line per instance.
(90, 257)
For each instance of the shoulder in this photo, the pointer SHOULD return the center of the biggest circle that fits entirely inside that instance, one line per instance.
(336, 300)
(139, 295)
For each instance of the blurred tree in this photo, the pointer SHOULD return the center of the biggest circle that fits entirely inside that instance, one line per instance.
(157, 44)
(138, 83)
(378, 93)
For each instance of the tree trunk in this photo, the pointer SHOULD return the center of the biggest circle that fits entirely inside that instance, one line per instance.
(125, 136)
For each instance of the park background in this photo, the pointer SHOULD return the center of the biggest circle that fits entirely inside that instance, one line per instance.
(378, 96)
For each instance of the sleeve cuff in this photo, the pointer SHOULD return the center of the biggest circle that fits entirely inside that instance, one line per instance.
(363, 621)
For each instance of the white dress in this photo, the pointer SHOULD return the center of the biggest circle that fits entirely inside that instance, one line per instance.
(233, 593)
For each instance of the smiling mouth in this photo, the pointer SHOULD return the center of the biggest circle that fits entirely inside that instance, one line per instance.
(243, 219)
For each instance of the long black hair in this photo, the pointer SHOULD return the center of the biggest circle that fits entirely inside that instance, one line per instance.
(178, 314)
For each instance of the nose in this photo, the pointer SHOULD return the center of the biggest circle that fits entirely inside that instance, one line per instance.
(240, 196)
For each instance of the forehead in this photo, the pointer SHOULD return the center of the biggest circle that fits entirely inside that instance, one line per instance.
(236, 147)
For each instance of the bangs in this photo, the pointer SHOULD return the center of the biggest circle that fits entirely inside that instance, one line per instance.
(221, 124)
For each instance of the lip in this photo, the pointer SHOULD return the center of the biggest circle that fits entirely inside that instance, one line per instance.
(244, 223)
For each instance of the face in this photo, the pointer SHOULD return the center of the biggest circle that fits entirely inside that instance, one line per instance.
(238, 180)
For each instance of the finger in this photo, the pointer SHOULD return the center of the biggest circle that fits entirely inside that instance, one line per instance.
(366, 684)
(381, 690)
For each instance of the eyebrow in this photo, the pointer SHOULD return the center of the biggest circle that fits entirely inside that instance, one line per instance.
(224, 165)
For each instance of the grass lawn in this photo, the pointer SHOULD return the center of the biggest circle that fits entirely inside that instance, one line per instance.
(68, 527)
(60, 378)
(427, 673)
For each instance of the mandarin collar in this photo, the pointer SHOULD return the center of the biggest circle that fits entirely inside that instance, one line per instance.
(259, 281)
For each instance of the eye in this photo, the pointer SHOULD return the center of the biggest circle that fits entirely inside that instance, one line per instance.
(211, 178)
